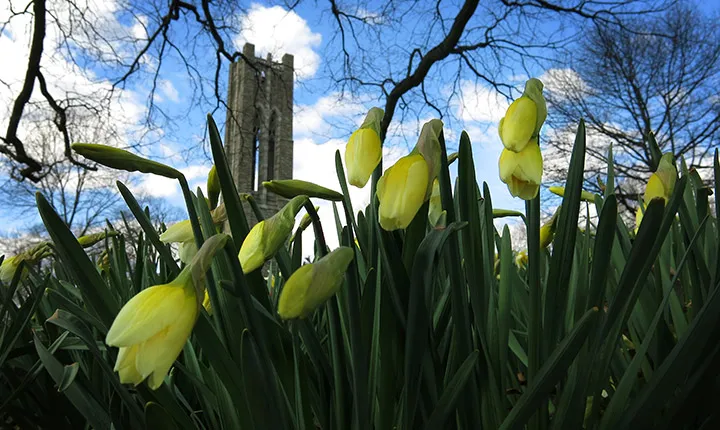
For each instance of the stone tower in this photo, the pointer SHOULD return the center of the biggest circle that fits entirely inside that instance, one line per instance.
(259, 127)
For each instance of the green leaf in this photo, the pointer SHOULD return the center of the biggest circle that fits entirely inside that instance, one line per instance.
(156, 417)
(68, 376)
(83, 401)
(550, 373)
(448, 401)
(95, 294)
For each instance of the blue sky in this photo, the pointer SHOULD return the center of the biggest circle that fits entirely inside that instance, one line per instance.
(322, 123)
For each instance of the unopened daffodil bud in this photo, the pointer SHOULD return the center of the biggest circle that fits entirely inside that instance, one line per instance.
(153, 326)
(428, 146)
(123, 160)
(524, 118)
(267, 236)
(435, 211)
(182, 233)
(660, 185)
(91, 239)
(213, 187)
(312, 284)
(547, 230)
(522, 171)
(401, 191)
(9, 266)
(363, 151)
(290, 188)
(585, 196)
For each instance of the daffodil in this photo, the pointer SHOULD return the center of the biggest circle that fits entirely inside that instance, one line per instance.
(181, 233)
(362, 155)
(152, 328)
(401, 191)
(547, 233)
(660, 185)
(521, 259)
(213, 187)
(522, 171)
(267, 236)
(585, 196)
(33, 255)
(363, 151)
(524, 118)
(9, 266)
(312, 284)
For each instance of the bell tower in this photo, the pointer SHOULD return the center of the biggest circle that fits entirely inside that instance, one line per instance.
(259, 127)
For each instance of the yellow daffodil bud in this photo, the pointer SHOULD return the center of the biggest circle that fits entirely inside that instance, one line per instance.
(428, 146)
(9, 266)
(524, 117)
(435, 210)
(401, 191)
(91, 239)
(522, 171)
(662, 182)
(363, 151)
(290, 188)
(312, 284)
(362, 155)
(181, 233)
(153, 326)
(521, 259)
(123, 160)
(547, 234)
(585, 196)
(213, 187)
(502, 213)
(660, 185)
(267, 236)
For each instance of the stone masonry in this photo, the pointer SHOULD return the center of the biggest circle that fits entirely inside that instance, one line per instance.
(259, 127)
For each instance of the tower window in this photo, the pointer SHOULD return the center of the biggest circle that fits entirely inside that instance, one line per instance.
(271, 147)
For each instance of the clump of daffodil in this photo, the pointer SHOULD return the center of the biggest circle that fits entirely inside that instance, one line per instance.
(585, 196)
(660, 185)
(312, 284)
(522, 171)
(153, 326)
(267, 236)
(364, 149)
(407, 184)
(181, 233)
(10, 265)
(521, 163)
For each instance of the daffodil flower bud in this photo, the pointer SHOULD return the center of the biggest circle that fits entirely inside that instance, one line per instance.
(660, 185)
(521, 259)
(312, 284)
(547, 233)
(91, 239)
(181, 233)
(363, 151)
(522, 171)
(585, 196)
(123, 160)
(213, 187)
(524, 117)
(362, 155)
(267, 236)
(153, 326)
(401, 191)
(290, 188)
(9, 266)
(428, 146)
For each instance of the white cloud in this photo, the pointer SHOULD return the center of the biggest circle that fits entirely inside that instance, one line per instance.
(480, 103)
(168, 90)
(278, 31)
(159, 186)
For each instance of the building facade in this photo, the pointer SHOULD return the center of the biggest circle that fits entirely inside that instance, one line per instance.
(259, 126)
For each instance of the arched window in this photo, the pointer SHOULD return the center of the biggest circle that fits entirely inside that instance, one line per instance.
(272, 132)
(256, 155)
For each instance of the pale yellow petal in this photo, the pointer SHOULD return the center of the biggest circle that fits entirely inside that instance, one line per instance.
(125, 366)
(362, 154)
(251, 253)
(292, 298)
(146, 314)
(187, 250)
(519, 124)
(404, 189)
(178, 232)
